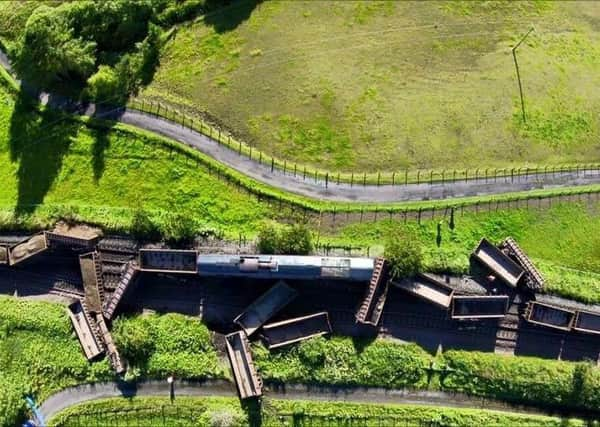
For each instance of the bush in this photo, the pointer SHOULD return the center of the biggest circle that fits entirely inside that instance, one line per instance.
(143, 228)
(404, 253)
(343, 361)
(290, 240)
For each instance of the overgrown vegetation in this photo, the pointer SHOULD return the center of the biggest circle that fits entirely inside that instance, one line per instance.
(158, 346)
(404, 254)
(107, 48)
(284, 239)
(226, 412)
(39, 353)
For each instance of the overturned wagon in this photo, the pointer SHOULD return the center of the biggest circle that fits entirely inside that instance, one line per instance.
(85, 330)
(429, 289)
(168, 260)
(371, 307)
(549, 315)
(295, 330)
(479, 307)
(71, 241)
(246, 378)
(500, 264)
(265, 307)
(3, 255)
(33, 245)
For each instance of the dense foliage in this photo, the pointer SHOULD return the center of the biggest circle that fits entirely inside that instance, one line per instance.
(112, 46)
(404, 254)
(158, 346)
(154, 411)
(344, 361)
(291, 239)
(524, 379)
(227, 412)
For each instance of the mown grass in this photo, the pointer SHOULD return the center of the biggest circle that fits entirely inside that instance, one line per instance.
(39, 353)
(563, 241)
(213, 411)
(367, 86)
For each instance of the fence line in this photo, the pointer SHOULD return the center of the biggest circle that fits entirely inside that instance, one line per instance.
(399, 178)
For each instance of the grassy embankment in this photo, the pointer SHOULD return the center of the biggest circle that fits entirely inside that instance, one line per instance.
(39, 355)
(334, 85)
(212, 411)
(563, 241)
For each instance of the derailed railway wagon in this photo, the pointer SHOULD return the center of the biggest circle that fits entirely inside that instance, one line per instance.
(291, 331)
(469, 307)
(26, 249)
(168, 260)
(549, 315)
(499, 263)
(62, 240)
(371, 307)
(265, 307)
(84, 329)
(587, 322)
(248, 383)
(286, 267)
(429, 289)
(126, 282)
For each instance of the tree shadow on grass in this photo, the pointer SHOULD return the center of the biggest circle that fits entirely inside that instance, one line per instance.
(228, 18)
(38, 141)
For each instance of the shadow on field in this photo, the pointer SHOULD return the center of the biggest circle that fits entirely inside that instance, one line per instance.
(38, 142)
(228, 18)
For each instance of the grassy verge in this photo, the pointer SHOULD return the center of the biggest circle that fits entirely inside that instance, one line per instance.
(215, 411)
(39, 353)
(562, 240)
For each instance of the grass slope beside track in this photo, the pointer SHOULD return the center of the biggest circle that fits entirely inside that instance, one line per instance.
(367, 86)
(215, 411)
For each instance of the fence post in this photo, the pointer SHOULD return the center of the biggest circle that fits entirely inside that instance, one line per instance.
(338, 180)
(406, 177)
(295, 167)
(272, 164)
(378, 178)
(250, 155)
(393, 178)
(352, 179)
(326, 183)
(364, 179)
(418, 176)
(431, 177)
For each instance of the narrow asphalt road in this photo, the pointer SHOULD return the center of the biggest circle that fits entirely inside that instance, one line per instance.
(88, 392)
(318, 190)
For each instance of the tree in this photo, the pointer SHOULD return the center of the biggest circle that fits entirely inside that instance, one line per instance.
(49, 50)
(404, 254)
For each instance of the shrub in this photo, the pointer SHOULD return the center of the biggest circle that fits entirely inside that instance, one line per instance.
(404, 254)
(291, 240)
(105, 85)
(142, 227)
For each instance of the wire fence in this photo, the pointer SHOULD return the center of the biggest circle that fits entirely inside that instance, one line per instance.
(397, 178)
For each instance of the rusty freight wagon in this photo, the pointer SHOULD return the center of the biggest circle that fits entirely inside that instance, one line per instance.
(500, 264)
(427, 288)
(168, 260)
(265, 307)
(34, 245)
(72, 241)
(85, 330)
(549, 315)
(371, 307)
(246, 378)
(294, 330)
(3, 255)
(587, 322)
(127, 281)
(468, 307)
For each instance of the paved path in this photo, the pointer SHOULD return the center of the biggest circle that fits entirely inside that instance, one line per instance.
(87, 392)
(318, 189)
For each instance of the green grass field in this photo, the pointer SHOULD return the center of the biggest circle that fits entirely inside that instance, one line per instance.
(369, 86)
(563, 241)
(212, 411)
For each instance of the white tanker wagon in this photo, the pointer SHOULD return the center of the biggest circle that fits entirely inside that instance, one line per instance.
(286, 267)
